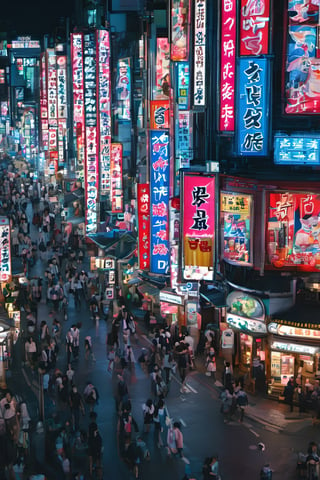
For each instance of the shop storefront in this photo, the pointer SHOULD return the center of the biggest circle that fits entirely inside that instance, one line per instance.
(294, 352)
(172, 308)
(245, 316)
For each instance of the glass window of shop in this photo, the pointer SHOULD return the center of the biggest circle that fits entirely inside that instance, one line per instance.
(246, 342)
(282, 367)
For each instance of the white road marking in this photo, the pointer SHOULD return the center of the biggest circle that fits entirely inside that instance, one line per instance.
(182, 422)
(254, 433)
(191, 388)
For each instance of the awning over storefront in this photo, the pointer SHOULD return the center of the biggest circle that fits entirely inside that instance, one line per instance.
(214, 297)
(148, 289)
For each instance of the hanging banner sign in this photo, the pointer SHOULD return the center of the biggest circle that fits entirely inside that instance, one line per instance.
(78, 94)
(253, 119)
(183, 83)
(199, 55)
(116, 193)
(123, 89)
(254, 27)
(159, 189)
(5, 250)
(143, 209)
(162, 86)
(228, 65)
(62, 86)
(52, 88)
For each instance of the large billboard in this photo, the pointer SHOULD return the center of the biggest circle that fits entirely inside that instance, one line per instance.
(253, 116)
(293, 231)
(116, 192)
(104, 99)
(199, 54)
(236, 223)
(227, 65)
(198, 225)
(159, 190)
(78, 94)
(254, 27)
(302, 62)
(180, 21)
(143, 210)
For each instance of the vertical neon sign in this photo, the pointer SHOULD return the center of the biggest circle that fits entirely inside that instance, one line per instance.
(199, 68)
(78, 94)
(228, 63)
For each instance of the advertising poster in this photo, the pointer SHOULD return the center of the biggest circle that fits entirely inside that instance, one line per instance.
(78, 94)
(228, 65)
(297, 149)
(104, 82)
(143, 208)
(253, 117)
(5, 250)
(123, 89)
(254, 27)
(183, 145)
(159, 190)
(198, 225)
(116, 193)
(180, 20)
(293, 231)
(199, 54)
(183, 83)
(162, 86)
(159, 114)
(235, 211)
(302, 62)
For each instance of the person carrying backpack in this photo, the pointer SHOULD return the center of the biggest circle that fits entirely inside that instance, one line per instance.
(242, 402)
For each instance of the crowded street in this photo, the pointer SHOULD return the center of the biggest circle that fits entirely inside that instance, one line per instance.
(44, 381)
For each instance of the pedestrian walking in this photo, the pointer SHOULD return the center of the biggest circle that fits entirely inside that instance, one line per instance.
(95, 451)
(75, 332)
(289, 393)
(69, 343)
(121, 394)
(159, 420)
(175, 441)
(227, 405)
(148, 410)
(76, 407)
(88, 348)
(211, 366)
(242, 402)
(91, 395)
(181, 352)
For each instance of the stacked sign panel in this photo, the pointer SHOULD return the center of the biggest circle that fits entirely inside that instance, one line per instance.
(180, 20)
(91, 133)
(143, 201)
(227, 65)
(254, 27)
(159, 190)
(123, 89)
(44, 103)
(5, 250)
(199, 68)
(302, 63)
(78, 95)
(104, 99)
(52, 108)
(198, 225)
(253, 119)
(162, 81)
(62, 105)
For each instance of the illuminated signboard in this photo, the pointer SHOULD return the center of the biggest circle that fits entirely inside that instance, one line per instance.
(297, 150)
(170, 298)
(180, 21)
(174, 266)
(44, 103)
(143, 209)
(254, 27)
(104, 82)
(199, 55)
(198, 220)
(183, 144)
(123, 89)
(292, 234)
(295, 348)
(116, 192)
(290, 331)
(162, 86)
(235, 211)
(78, 94)
(5, 250)
(52, 89)
(253, 123)
(91, 133)
(302, 62)
(62, 86)
(159, 190)
(183, 83)
(62, 132)
(246, 325)
(228, 63)
(159, 114)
